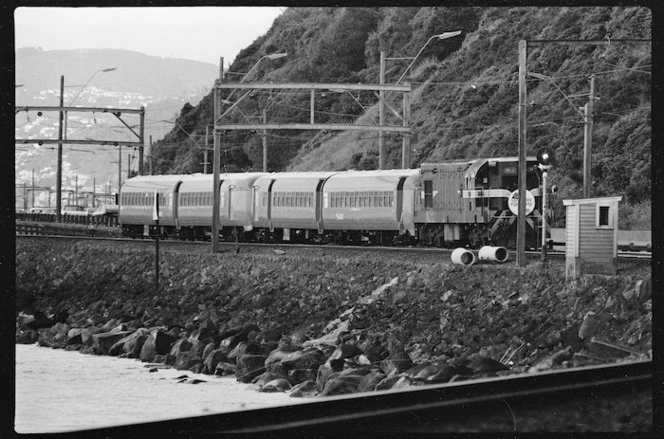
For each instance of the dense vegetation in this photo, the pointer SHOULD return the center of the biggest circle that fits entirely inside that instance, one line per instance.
(465, 100)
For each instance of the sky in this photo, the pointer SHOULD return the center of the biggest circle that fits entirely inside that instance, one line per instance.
(196, 33)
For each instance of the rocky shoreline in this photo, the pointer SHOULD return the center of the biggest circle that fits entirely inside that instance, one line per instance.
(313, 324)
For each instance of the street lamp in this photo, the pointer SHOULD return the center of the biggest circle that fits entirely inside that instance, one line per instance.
(244, 78)
(442, 36)
(110, 69)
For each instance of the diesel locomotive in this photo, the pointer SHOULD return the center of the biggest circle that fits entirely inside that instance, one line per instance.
(448, 204)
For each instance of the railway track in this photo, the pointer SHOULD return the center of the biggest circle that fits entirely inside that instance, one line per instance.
(615, 397)
(553, 255)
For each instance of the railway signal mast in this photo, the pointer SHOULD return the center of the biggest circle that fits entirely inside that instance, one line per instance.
(544, 157)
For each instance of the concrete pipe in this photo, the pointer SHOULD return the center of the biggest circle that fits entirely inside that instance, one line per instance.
(461, 256)
(493, 254)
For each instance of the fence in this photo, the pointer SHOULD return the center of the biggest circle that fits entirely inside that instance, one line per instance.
(98, 220)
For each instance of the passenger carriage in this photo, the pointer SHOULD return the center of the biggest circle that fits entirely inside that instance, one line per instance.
(137, 202)
(235, 203)
(289, 205)
(367, 202)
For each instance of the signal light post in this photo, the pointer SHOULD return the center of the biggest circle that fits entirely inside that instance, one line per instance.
(544, 157)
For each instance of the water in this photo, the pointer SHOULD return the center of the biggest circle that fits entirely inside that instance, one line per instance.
(59, 390)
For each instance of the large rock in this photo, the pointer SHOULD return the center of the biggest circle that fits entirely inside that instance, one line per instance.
(27, 336)
(212, 359)
(157, 343)
(369, 381)
(179, 346)
(131, 344)
(244, 348)
(305, 389)
(396, 363)
(186, 360)
(103, 342)
(249, 366)
(308, 358)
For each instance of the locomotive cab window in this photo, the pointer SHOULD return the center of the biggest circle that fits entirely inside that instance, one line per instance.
(428, 193)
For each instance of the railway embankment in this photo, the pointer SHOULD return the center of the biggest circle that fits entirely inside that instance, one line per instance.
(312, 322)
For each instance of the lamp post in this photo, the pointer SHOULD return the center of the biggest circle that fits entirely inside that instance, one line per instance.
(405, 159)
(442, 36)
(110, 69)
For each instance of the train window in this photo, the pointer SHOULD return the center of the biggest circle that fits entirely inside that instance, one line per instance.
(428, 193)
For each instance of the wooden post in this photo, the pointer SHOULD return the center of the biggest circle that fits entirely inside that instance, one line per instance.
(58, 178)
(521, 217)
(264, 141)
(381, 115)
(588, 141)
(405, 149)
(216, 162)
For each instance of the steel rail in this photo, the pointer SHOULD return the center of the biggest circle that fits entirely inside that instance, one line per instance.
(623, 256)
(401, 411)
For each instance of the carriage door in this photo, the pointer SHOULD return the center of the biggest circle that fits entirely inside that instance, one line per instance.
(176, 205)
(319, 205)
(399, 201)
(269, 206)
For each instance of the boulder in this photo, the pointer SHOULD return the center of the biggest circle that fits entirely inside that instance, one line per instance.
(305, 389)
(396, 363)
(387, 382)
(249, 366)
(179, 346)
(345, 351)
(308, 358)
(277, 355)
(207, 349)
(265, 378)
(109, 325)
(157, 343)
(276, 385)
(211, 360)
(27, 336)
(339, 386)
(297, 376)
(369, 381)
(104, 341)
(224, 368)
(243, 348)
(186, 360)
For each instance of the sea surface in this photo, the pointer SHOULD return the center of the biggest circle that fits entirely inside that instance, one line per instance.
(58, 391)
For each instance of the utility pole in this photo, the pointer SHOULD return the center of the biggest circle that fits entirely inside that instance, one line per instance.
(58, 178)
(151, 155)
(76, 191)
(205, 151)
(128, 166)
(33, 188)
(589, 110)
(521, 217)
(216, 161)
(140, 148)
(119, 171)
(264, 141)
(405, 149)
(381, 114)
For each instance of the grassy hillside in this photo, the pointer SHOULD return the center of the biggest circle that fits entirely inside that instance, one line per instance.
(465, 100)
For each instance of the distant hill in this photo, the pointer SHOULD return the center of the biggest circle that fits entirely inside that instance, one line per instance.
(136, 72)
(162, 85)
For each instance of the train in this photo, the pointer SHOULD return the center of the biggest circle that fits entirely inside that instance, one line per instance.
(462, 202)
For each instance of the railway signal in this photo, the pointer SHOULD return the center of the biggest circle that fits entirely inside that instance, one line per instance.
(544, 157)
